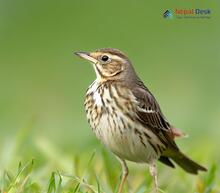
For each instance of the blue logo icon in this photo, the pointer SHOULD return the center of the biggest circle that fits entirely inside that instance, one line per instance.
(167, 14)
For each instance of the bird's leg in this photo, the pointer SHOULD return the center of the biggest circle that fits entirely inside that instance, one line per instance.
(153, 172)
(124, 174)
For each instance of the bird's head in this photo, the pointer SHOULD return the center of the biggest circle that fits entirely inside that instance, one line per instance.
(109, 63)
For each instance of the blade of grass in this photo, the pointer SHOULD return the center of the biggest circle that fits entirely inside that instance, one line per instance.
(76, 188)
(52, 185)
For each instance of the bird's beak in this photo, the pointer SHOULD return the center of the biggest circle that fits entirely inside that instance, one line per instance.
(86, 56)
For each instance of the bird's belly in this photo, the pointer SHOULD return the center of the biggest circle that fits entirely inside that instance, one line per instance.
(126, 142)
(113, 121)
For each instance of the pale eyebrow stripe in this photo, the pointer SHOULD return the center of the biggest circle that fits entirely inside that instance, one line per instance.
(114, 57)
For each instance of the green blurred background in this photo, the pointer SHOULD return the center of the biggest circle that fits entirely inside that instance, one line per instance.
(43, 84)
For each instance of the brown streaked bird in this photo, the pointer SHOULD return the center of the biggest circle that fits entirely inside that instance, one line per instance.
(126, 118)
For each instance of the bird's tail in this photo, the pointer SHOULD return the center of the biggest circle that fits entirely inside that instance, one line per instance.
(186, 163)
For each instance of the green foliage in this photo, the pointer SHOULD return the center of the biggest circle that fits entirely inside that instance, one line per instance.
(21, 181)
(96, 173)
(208, 183)
(24, 182)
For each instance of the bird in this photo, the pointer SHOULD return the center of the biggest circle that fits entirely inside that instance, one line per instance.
(127, 119)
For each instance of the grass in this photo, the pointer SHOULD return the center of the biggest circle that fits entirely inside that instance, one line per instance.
(25, 180)
(56, 171)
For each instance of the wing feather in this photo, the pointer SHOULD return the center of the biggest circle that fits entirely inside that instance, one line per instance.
(150, 115)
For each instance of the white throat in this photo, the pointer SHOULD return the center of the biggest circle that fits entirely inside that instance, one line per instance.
(98, 76)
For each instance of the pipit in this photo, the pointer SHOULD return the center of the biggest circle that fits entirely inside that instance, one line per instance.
(126, 118)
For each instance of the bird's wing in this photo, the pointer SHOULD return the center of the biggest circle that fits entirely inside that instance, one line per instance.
(149, 114)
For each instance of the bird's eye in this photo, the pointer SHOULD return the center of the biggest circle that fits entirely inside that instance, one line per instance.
(104, 58)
